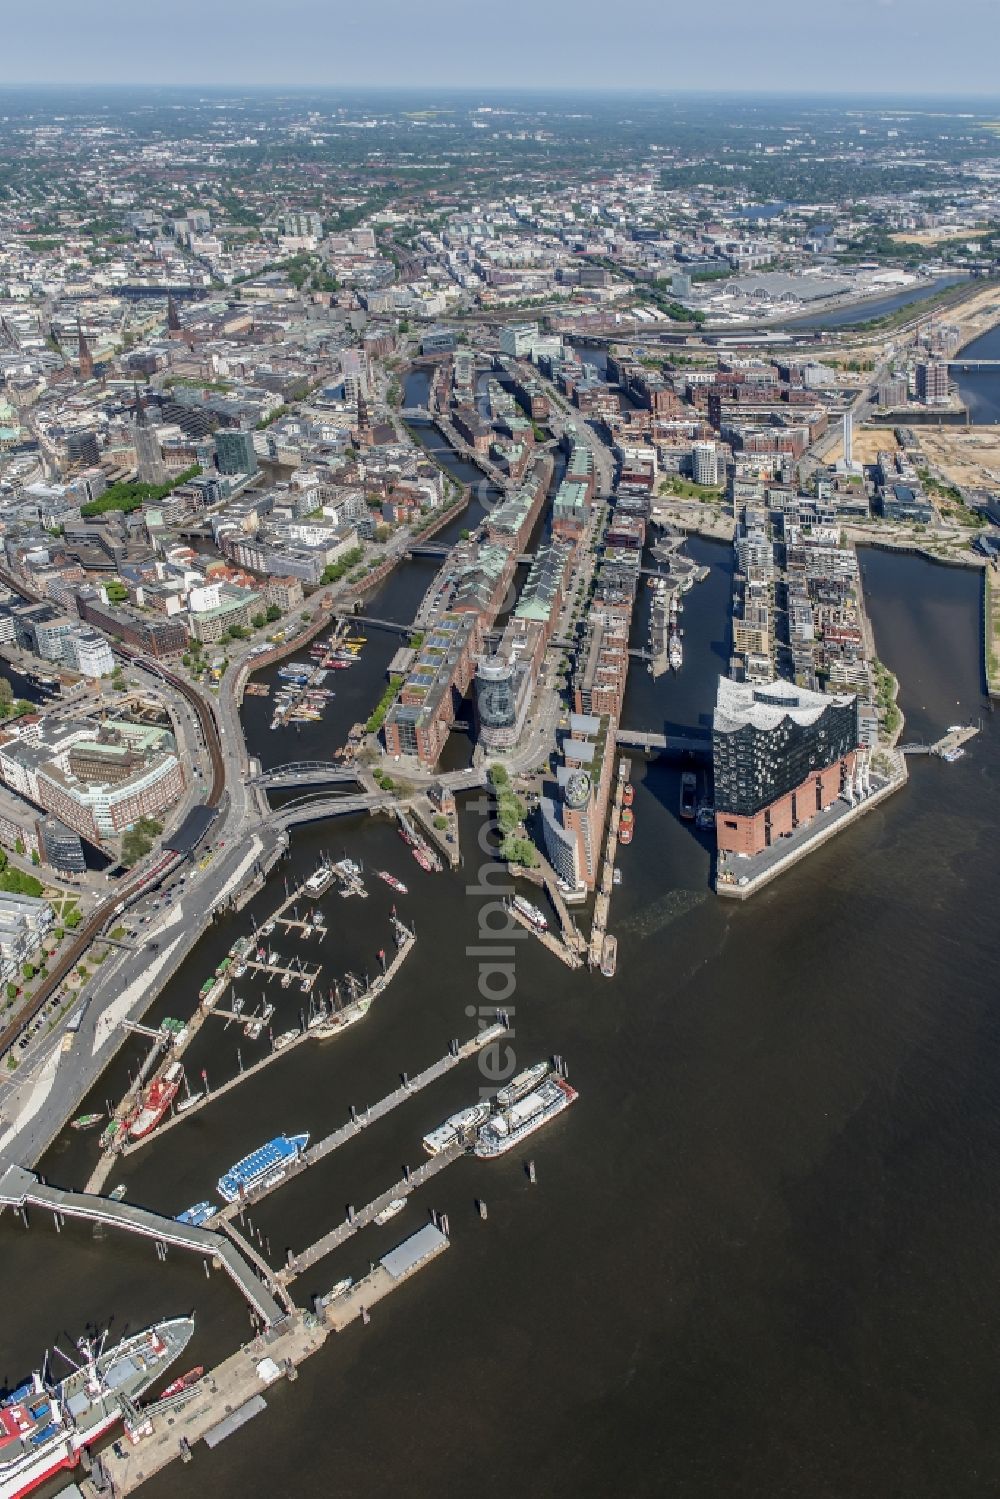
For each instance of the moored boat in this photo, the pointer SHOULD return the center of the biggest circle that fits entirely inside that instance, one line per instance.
(689, 794)
(262, 1167)
(390, 1210)
(45, 1424)
(530, 913)
(159, 1096)
(184, 1382)
(86, 1121)
(509, 1126)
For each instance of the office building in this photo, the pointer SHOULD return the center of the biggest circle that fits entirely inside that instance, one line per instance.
(235, 451)
(518, 339)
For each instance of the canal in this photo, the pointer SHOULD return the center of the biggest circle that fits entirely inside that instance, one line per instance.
(759, 1253)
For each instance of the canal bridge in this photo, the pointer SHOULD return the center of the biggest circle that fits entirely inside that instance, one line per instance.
(312, 808)
(696, 744)
(393, 625)
(21, 1189)
(305, 773)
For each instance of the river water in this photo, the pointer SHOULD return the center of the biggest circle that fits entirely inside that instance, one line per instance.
(760, 1255)
(980, 389)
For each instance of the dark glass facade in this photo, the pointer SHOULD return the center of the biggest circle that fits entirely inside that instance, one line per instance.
(755, 766)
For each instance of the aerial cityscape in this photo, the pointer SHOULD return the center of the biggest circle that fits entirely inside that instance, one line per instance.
(499, 609)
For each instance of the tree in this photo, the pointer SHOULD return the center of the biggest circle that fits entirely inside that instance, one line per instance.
(28, 969)
(6, 695)
(440, 822)
(35, 858)
(116, 591)
(19, 846)
(258, 621)
(73, 918)
(272, 613)
(236, 632)
(11, 991)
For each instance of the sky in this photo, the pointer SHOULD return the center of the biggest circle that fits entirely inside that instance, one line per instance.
(799, 46)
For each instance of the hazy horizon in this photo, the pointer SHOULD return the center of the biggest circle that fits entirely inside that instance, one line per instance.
(880, 48)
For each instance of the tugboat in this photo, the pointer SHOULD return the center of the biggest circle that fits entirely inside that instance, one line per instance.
(628, 794)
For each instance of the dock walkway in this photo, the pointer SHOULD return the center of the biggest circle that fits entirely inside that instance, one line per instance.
(360, 1121)
(366, 1215)
(20, 1189)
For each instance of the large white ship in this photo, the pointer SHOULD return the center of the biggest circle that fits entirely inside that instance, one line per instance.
(507, 1128)
(45, 1426)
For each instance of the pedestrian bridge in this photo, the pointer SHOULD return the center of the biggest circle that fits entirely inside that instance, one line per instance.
(20, 1189)
(696, 744)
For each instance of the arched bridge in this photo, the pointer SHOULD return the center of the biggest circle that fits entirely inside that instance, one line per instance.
(314, 808)
(305, 773)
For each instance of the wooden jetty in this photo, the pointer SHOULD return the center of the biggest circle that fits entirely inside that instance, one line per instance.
(364, 1216)
(382, 1280)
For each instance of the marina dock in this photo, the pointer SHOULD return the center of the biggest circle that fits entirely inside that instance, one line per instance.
(364, 1216)
(389, 1273)
(361, 1119)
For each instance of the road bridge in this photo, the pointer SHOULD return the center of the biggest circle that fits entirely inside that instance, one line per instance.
(20, 1189)
(305, 773)
(314, 808)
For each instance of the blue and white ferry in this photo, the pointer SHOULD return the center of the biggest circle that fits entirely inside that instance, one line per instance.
(262, 1167)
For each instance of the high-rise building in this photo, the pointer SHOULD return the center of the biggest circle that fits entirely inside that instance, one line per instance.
(780, 754)
(705, 464)
(81, 447)
(932, 382)
(235, 451)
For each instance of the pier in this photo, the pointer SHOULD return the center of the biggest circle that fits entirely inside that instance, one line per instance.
(354, 1221)
(602, 903)
(234, 1387)
(360, 1121)
(306, 1034)
(946, 745)
(20, 1189)
(393, 1268)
